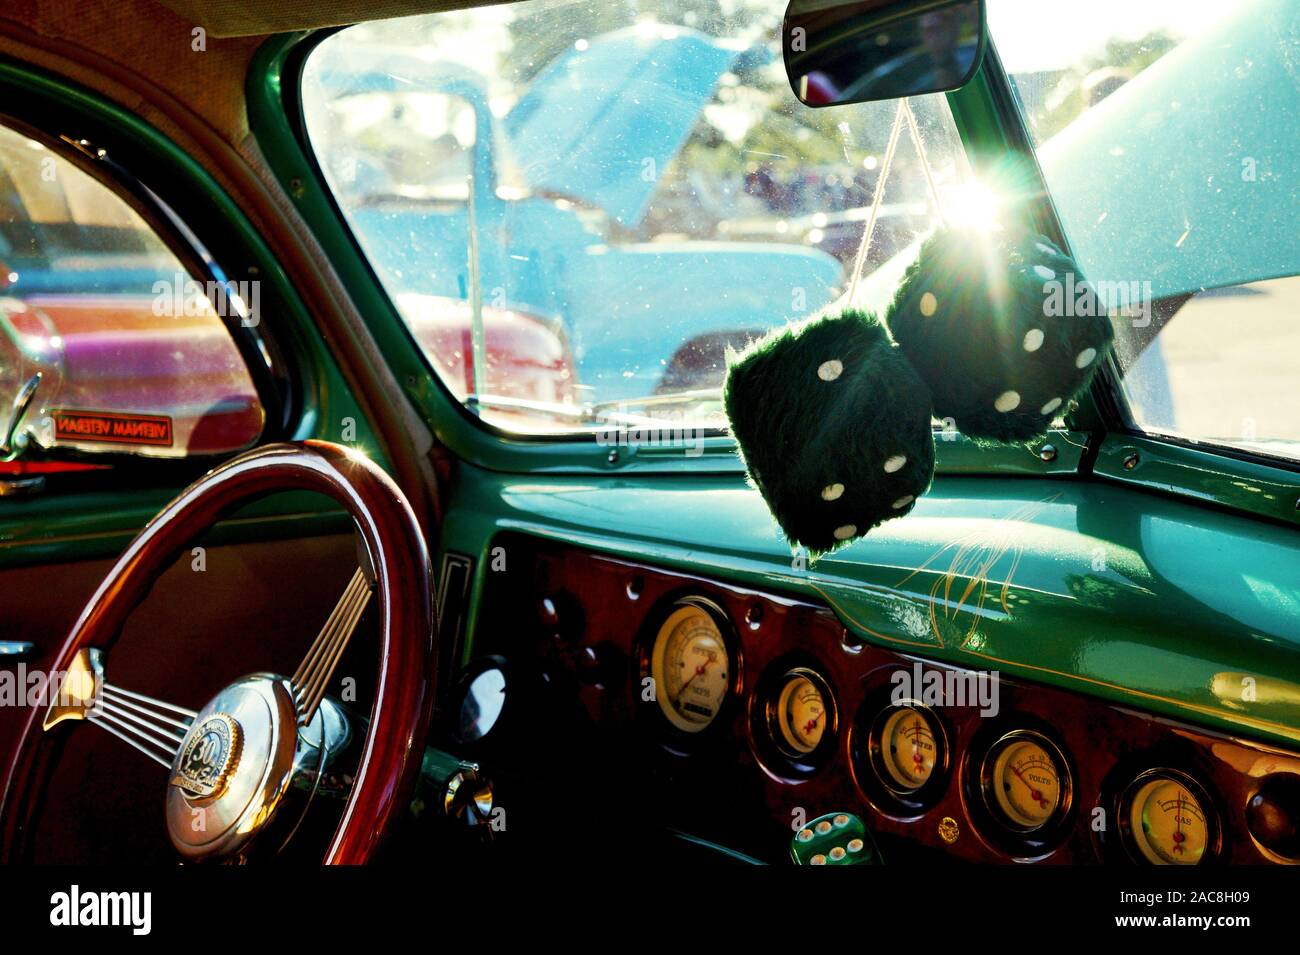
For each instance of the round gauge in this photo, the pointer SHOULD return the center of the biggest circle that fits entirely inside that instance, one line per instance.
(902, 757)
(691, 668)
(1168, 823)
(801, 712)
(907, 749)
(1026, 777)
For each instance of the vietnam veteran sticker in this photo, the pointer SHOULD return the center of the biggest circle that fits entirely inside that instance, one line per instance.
(112, 427)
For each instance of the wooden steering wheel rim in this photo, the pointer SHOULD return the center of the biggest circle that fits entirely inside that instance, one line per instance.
(390, 758)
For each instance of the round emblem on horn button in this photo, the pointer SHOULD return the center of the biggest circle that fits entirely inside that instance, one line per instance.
(233, 768)
(208, 757)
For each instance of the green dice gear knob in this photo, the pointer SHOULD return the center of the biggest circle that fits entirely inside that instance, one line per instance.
(837, 838)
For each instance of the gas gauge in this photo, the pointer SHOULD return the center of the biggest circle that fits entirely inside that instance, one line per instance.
(1169, 819)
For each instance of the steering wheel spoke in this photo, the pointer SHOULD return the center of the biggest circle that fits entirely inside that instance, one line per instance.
(245, 767)
(151, 726)
(314, 673)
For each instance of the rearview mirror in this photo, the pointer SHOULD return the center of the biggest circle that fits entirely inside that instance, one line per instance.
(853, 51)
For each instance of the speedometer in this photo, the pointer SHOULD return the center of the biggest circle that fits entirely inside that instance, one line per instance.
(691, 668)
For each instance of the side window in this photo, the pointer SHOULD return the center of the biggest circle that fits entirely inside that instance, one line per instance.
(579, 206)
(132, 353)
(1165, 133)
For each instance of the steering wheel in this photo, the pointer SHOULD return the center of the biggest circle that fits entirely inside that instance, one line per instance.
(248, 762)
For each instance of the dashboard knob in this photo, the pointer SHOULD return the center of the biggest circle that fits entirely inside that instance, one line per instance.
(1273, 816)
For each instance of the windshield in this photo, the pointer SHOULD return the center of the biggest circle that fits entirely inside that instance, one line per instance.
(580, 207)
(1167, 134)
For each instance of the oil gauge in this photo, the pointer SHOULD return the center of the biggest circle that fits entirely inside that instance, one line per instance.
(801, 713)
(793, 719)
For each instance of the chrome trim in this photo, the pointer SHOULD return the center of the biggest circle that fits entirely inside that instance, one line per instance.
(222, 823)
(272, 778)
(15, 440)
(313, 674)
(468, 795)
(79, 690)
(22, 486)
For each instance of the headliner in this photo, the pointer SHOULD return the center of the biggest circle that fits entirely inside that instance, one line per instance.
(230, 18)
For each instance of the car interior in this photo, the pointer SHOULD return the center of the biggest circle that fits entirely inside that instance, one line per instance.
(784, 432)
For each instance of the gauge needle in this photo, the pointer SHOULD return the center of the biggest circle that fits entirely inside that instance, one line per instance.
(1178, 824)
(699, 670)
(1033, 793)
(812, 724)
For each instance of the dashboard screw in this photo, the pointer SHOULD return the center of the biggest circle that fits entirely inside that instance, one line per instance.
(613, 456)
(1047, 453)
(1131, 461)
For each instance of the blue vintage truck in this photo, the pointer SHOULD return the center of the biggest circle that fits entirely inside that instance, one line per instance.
(562, 184)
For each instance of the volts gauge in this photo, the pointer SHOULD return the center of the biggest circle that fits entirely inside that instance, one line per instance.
(1026, 781)
(1169, 820)
(692, 667)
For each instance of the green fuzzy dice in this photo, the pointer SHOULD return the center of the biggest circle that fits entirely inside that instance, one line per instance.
(834, 426)
(834, 418)
(986, 323)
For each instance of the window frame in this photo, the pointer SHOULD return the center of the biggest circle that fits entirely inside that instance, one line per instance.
(1118, 450)
(95, 516)
(270, 370)
(277, 120)
(1113, 404)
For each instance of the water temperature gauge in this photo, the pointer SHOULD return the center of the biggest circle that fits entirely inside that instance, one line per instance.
(900, 753)
(909, 748)
(1168, 819)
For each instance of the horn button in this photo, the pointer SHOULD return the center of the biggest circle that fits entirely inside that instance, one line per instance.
(241, 756)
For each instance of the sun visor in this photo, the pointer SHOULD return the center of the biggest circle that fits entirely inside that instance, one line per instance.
(228, 18)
